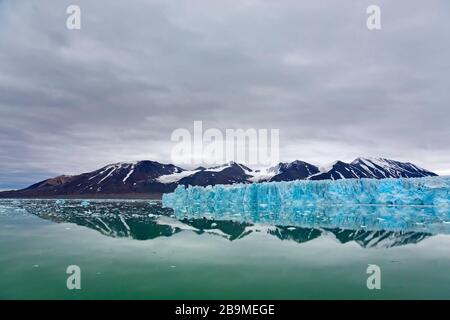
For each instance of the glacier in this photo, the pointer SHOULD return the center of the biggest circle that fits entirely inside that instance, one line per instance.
(420, 204)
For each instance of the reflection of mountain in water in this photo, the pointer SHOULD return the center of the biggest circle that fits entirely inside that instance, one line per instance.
(148, 220)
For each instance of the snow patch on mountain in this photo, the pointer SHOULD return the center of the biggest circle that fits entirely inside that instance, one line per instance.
(129, 174)
(177, 176)
(260, 176)
(326, 168)
(108, 175)
(226, 166)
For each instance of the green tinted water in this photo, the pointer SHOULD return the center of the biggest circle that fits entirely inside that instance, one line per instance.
(137, 250)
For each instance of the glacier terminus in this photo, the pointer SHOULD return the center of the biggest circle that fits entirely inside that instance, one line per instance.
(350, 203)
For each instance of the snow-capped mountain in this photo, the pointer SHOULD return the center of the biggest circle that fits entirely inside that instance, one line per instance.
(385, 168)
(144, 178)
(378, 168)
(226, 174)
(139, 177)
(296, 170)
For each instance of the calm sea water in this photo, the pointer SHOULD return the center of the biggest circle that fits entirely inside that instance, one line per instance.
(140, 250)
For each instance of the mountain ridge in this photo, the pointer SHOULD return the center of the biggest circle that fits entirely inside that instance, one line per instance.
(148, 177)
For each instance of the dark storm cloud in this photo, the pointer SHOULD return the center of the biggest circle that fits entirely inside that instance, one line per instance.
(71, 101)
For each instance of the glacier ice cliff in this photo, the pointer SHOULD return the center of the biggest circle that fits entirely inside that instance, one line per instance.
(392, 204)
(405, 191)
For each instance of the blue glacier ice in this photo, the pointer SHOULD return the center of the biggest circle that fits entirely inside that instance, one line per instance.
(430, 191)
(391, 204)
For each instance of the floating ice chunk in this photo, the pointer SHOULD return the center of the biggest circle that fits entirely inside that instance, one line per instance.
(85, 203)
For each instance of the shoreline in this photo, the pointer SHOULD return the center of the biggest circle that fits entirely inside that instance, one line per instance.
(127, 196)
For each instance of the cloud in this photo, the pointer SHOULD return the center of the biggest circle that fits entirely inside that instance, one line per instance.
(72, 101)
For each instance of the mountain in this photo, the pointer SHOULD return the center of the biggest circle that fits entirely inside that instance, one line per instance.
(378, 168)
(226, 174)
(296, 170)
(385, 168)
(119, 178)
(151, 179)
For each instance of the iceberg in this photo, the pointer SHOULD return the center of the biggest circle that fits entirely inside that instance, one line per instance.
(389, 204)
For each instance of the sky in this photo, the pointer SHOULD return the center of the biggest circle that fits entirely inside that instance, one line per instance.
(72, 101)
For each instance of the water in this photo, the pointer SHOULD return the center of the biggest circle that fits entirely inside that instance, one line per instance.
(140, 250)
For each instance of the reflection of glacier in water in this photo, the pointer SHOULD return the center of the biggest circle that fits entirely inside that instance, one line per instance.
(368, 204)
(361, 217)
(369, 226)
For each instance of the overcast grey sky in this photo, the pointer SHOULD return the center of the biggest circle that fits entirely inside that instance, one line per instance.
(73, 101)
